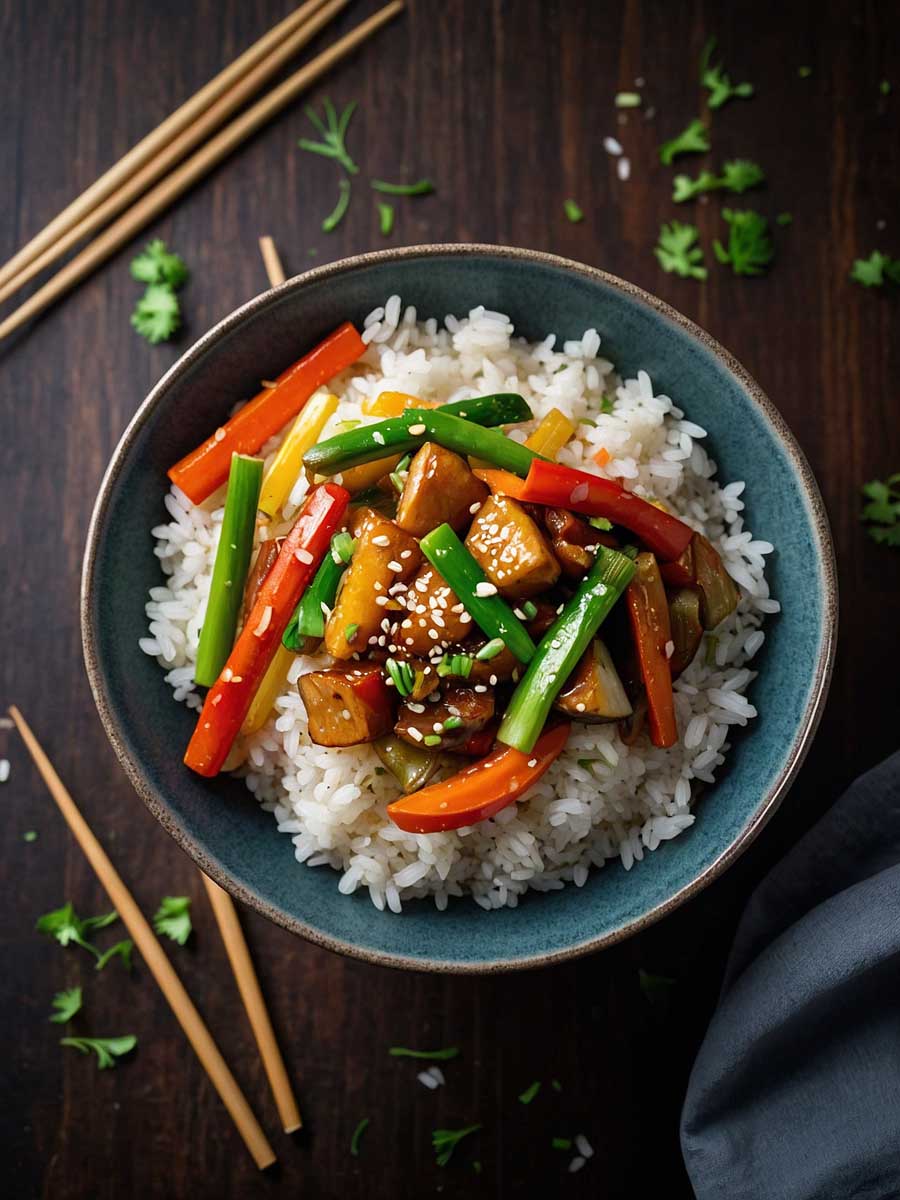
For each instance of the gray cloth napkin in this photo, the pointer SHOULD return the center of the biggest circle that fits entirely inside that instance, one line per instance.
(795, 1094)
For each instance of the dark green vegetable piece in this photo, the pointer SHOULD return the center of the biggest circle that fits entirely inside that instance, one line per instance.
(308, 620)
(455, 425)
(687, 630)
(357, 1134)
(562, 646)
(412, 768)
(464, 576)
(718, 594)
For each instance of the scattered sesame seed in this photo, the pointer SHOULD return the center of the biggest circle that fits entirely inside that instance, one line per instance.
(381, 539)
(405, 553)
(237, 679)
(416, 708)
(4, 770)
(670, 649)
(303, 556)
(378, 437)
(579, 707)
(414, 733)
(264, 621)
(394, 566)
(219, 435)
(227, 674)
(493, 681)
(345, 713)
(532, 762)
(479, 687)
(416, 430)
(382, 600)
(485, 589)
(473, 508)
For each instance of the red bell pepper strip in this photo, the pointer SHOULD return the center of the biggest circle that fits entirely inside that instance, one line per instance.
(564, 487)
(199, 473)
(228, 700)
(649, 613)
(479, 791)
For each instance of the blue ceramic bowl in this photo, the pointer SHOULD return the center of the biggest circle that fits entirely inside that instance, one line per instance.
(219, 824)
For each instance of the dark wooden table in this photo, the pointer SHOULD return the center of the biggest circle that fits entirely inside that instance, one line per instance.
(505, 106)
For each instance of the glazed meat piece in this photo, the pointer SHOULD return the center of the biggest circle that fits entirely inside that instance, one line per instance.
(384, 555)
(511, 549)
(347, 705)
(594, 691)
(439, 487)
(434, 614)
(446, 723)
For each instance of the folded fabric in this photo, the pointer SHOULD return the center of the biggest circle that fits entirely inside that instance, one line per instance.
(795, 1094)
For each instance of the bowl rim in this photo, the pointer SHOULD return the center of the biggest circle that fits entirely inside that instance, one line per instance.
(768, 803)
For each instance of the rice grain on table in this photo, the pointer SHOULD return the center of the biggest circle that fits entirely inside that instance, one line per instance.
(601, 800)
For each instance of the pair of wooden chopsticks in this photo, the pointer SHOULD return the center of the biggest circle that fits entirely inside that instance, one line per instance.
(145, 166)
(171, 986)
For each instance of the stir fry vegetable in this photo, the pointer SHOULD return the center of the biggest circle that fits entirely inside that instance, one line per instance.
(229, 575)
(562, 646)
(649, 613)
(551, 435)
(448, 555)
(282, 474)
(268, 691)
(457, 426)
(199, 473)
(410, 766)
(308, 618)
(501, 483)
(228, 700)
(718, 595)
(687, 631)
(479, 791)
(563, 487)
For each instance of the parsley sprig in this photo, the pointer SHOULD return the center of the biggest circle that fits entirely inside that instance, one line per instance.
(173, 918)
(68, 928)
(750, 248)
(67, 1004)
(445, 1141)
(106, 1049)
(156, 264)
(872, 271)
(678, 251)
(692, 140)
(334, 133)
(157, 315)
(718, 82)
(738, 176)
(883, 510)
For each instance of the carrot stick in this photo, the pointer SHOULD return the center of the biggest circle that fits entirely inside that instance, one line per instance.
(228, 700)
(199, 473)
(649, 613)
(501, 483)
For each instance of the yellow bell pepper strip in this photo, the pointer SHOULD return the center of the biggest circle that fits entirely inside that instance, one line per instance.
(226, 590)
(562, 646)
(228, 700)
(287, 463)
(199, 473)
(458, 568)
(457, 426)
(551, 435)
(479, 791)
(392, 404)
(268, 692)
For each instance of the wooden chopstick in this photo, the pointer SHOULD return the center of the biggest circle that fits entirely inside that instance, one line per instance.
(153, 955)
(194, 168)
(155, 141)
(271, 261)
(195, 133)
(251, 994)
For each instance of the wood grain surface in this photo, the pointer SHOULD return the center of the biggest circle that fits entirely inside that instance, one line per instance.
(505, 105)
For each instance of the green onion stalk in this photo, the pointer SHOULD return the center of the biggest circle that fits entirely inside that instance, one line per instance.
(226, 590)
(561, 647)
(308, 619)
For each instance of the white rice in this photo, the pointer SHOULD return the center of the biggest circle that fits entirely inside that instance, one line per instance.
(601, 799)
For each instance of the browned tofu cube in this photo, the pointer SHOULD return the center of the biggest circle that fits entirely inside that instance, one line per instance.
(347, 705)
(384, 556)
(511, 549)
(439, 488)
(434, 615)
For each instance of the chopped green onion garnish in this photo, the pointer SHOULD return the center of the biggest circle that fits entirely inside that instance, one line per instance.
(530, 1092)
(346, 426)
(351, 631)
(600, 523)
(342, 546)
(397, 481)
(433, 1055)
(529, 608)
(573, 211)
(421, 188)
(556, 1085)
(402, 675)
(559, 1143)
(607, 404)
(403, 464)
(630, 551)
(491, 649)
(385, 218)
(452, 723)
(431, 739)
(335, 217)
(628, 100)
(357, 1134)
(445, 1141)
(455, 664)
(804, 72)
(784, 218)
(29, 836)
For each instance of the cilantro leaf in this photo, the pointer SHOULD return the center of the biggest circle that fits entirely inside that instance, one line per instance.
(445, 1141)
(67, 1004)
(741, 174)
(385, 218)
(156, 264)
(173, 918)
(530, 1092)
(357, 1134)
(106, 1049)
(157, 314)
(883, 510)
(750, 248)
(121, 950)
(334, 133)
(685, 188)
(872, 271)
(717, 82)
(102, 921)
(678, 252)
(692, 140)
(67, 927)
(573, 211)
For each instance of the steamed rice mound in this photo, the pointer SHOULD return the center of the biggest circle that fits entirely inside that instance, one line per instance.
(601, 799)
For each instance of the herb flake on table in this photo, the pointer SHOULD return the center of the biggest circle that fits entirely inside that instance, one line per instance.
(445, 1141)
(67, 1003)
(749, 250)
(334, 133)
(30, 835)
(573, 211)
(443, 1055)
(804, 72)
(561, 1143)
(530, 1092)
(385, 218)
(627, 100)
(718, 82)
(68, 928)
(737, 176)
(121, 950)
(784, 218)
(357, 1135)
(173, 918)
(106, 1049)
(678, 252)
(872, 271)
(336, 215)
(694, 139)
(157, 314)
(422, 187)
(157, 264)
(882, 512)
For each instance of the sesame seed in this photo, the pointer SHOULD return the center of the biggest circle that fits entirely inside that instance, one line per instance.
(433, 634)
(473, 508)
(416, 430)
(438, 727)
(378, 585)
(464, 618)
(579, 707)
(405, 553)
(219, 435)
(493, 681)
(479, 687)
(532, 762)
(670, 649)
(416, 708)
(217, 699)
(414, 733)
(378, 437)
(345, 713)
(237, 679)
(394, 566)
(382, 600)
(381, 539)
(485, 589)
(303, 556)
(227, 674)
(264, 621)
